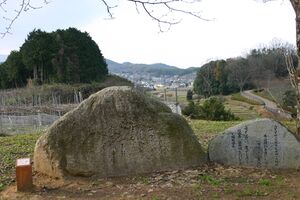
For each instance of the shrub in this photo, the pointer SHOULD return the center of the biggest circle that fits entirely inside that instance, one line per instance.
(189, 95)
(212, 109)
(190, 110)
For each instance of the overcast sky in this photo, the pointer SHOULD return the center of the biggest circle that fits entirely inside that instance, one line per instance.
(236, 27)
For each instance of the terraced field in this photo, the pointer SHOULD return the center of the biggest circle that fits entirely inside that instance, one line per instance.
(242, 110)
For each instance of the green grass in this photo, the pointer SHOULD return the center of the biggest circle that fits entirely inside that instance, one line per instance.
(206, 130)
(264, 182)
(210, 127)
(239, 97)
(242, 110)
(211, 180)
(248, 192)
(243, 113)
(12, 148)
(14, 130)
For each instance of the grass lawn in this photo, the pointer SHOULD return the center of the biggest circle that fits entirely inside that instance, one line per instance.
(206, 130)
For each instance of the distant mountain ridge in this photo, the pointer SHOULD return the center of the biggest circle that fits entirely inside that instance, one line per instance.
(156, 69)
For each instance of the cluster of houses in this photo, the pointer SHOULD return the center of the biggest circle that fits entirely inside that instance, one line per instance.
(156, 82)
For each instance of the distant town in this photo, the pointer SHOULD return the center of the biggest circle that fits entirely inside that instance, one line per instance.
(154, 76)
(157, 82)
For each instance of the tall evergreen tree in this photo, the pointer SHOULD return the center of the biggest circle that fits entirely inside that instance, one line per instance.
(65, 56)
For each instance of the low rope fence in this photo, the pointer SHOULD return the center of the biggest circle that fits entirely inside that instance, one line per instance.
(11, 124)
(39, 119)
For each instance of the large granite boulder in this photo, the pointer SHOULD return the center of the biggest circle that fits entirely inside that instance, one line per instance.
(117, 131)
(262, 143)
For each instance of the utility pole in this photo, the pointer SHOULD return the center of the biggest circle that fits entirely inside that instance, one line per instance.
(176, 100)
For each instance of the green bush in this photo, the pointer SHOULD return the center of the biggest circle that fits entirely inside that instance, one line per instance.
(191, 110)
(212, 109)
(189, 95)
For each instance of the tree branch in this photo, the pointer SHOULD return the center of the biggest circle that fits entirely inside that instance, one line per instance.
(194, 14)
(292, 72)
(169, 9)
(166, 12)
(108, 8)
(25, 5)
(1, 5)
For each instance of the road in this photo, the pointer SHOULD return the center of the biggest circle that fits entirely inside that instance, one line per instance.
(269, 105)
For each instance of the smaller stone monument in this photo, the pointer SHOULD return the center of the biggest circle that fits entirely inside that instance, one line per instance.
(262, 143)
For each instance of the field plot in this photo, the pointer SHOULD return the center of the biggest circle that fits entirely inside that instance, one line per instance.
(171, 95)
(242, 110)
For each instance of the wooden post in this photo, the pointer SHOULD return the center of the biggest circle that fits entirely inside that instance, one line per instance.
(176, 100)
(24, 175)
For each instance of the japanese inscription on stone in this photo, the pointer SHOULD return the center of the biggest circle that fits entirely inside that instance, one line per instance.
(276, 145)
(262, 143)
(262, 147)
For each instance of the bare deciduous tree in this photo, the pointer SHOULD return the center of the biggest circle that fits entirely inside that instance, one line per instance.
(11, 16)
(240, 72)
(294, 72)
(164, 12)
(294, 79)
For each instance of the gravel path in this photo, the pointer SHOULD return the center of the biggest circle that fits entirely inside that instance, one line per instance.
(269, 105)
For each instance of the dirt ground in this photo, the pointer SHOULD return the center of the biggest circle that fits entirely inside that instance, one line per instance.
(205, 182)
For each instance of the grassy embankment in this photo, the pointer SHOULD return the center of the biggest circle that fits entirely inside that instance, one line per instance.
(56, 93)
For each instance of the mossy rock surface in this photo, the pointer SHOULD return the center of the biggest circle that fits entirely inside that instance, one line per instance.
(116, 132)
